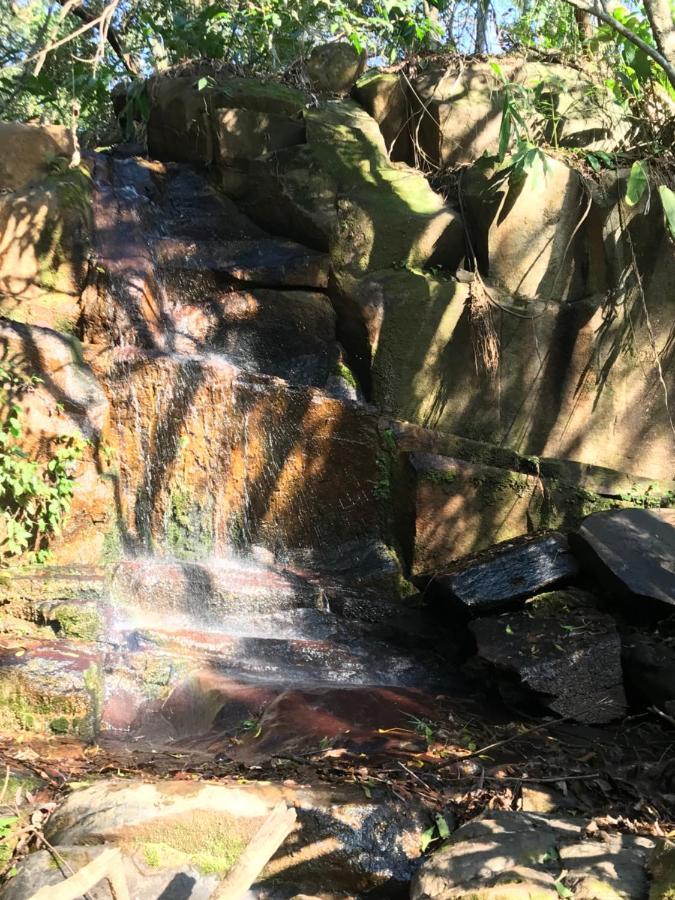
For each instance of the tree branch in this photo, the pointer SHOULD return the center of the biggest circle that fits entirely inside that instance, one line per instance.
(628, 34)
(113, 39)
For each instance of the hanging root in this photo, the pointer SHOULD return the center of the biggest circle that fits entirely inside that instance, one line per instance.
(484, 336)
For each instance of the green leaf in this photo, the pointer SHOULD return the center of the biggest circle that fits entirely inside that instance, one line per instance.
(593, 162)
(443, 829)
(637, 183)
(428, 837)
(562, 891)
(668, 202)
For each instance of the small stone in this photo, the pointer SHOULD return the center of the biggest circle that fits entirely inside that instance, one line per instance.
(539, 800)
(335, 68)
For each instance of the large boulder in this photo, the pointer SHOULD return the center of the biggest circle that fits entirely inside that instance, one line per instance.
(559, 653)
(530, 234)
(632, 552)
(44, 234)
(26, 151)
(523, 856)
(191, 834)
(186, 122)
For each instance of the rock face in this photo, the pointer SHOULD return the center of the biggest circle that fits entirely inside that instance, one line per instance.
(562, 650)
(27, 150)
(454, 113)
(633, 552)
(64, 403)
(520, 856)
(552, 267)
(194, 833)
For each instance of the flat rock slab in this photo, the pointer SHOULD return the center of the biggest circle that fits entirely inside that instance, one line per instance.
(521, 856)
(500, 579)
(561, 650)
(185, 833)
(632, 551)
(265, 261)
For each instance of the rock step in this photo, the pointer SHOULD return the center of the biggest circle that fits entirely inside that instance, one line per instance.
(349, 657)
(263, 261)
(203, 592)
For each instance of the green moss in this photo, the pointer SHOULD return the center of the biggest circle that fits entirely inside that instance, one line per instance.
(61, 725)
(112, 550)
(343, 371)
(77, 621)
(93, 682)
(210, 842)
(188, 529)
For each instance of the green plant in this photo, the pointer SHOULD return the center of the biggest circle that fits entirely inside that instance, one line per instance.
(35, 496)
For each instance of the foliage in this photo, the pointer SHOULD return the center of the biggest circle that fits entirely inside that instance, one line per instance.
(35, 496)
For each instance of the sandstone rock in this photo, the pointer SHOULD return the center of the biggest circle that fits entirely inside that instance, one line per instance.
(182, 124)
(243, 134)
(662, 871)
(342, 842)
(632, 552)
(519, 855)
(264, 261)
(560, 649)
(44, 230)
(27, 150)
(504, 576)
(462, 508)
(384, 97)
(282, 448)
(49, 689)
(528, 234)
(67, 401)
(457, 110)
(335, 68)
(320, 194)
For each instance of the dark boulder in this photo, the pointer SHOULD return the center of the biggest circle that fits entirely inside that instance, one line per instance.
(632, 554)
(560, 652)
(500, 578)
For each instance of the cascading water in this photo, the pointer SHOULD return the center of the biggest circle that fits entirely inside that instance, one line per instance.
(248, 488)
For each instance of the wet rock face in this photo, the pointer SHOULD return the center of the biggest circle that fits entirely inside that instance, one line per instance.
(281, 447)
(522, 855)
(561, 651)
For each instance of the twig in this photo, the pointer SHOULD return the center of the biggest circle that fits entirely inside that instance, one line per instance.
(4, 787)
(106, 865)
(660, 712)
(514, 737)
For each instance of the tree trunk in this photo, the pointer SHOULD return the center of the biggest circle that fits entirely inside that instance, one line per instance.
(663, 28)
(584, 25)
(482, 10)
